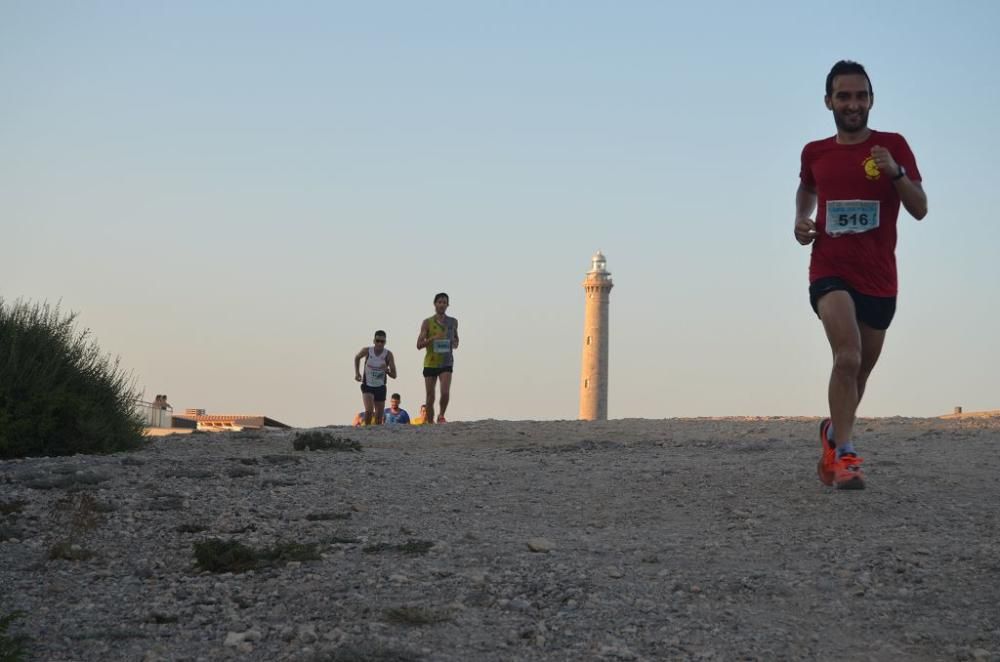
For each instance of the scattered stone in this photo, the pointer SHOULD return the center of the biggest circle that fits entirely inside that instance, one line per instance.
(307, 633)
(541, 545)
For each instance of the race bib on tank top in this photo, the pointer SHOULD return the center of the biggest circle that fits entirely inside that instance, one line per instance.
(374, 376)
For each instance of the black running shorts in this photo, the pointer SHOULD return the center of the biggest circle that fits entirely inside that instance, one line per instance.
(876, 312)
(377, 391)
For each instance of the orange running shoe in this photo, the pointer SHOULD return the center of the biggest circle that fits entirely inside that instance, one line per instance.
(848, 474)
(825, 468)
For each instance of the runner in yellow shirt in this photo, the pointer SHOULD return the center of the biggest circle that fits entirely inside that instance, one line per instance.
(439, 336)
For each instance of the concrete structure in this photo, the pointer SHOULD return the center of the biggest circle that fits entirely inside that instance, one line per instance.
(232, 422)
(159, 419)
(594, 365)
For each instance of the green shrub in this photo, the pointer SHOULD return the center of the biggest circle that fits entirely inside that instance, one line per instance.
(12, 648)
(411, 547)
(217, 555)
(316, 440)
(59, 395)
(416, 615)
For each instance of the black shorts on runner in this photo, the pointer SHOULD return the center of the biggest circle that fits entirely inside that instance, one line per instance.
(434, 372)
(377, 391)
(876, 312)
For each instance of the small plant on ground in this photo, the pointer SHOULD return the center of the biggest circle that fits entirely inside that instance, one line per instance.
(365, 652)
(84, 511)
(59, 394)
(69, 551)
(216, 555)
(318, 440)
(324, 516)
(292, 551)
(408, 547)
(415, 615)
(12, 647)
(77, 513)
(12, 507)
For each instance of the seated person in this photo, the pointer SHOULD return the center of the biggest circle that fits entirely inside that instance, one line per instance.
(420, 420)
(359, 419)
(394, 414)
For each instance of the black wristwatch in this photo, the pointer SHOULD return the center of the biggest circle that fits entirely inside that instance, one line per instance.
(900, 174)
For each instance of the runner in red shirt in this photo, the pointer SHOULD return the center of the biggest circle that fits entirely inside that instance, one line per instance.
(858, 178)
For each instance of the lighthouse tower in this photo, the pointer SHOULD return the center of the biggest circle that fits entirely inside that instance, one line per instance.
(594, 366)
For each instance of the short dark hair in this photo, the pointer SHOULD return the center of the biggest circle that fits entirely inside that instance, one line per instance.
(441, 294)
(395, 396)
(380, 332)
(846, 67)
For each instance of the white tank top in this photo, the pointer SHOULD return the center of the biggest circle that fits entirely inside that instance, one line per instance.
(375, 366)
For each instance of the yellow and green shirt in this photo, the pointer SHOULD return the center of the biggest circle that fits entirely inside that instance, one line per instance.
(439, 352)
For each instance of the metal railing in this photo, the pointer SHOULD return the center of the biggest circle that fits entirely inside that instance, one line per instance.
(153, 415)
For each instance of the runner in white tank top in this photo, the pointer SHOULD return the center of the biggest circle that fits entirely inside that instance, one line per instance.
(379, 364)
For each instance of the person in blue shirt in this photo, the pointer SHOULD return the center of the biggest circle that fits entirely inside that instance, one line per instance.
(393, 414)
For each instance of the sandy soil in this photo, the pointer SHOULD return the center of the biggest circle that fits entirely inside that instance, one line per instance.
(688, 539)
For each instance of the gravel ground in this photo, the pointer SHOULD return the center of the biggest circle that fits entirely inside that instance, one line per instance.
(679, 539)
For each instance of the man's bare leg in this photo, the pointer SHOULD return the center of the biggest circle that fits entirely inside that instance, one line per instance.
(379, 413)
(369, 400)
(445, 391)
(871, 348)
(429, 385)
(836, 310)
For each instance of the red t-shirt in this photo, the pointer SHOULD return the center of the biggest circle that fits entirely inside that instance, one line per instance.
(847, 176)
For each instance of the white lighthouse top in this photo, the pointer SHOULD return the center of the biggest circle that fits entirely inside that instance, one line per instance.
(598, 263)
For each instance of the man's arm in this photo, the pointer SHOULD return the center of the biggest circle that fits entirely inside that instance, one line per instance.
(805, 205)
(422, 341)
(391, 361)
(454, 340)
(911, 193)
(357, 363)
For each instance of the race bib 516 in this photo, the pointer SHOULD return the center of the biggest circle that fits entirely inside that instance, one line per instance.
(851, 216)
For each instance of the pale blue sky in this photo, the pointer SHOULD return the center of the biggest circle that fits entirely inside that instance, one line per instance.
(235, 195)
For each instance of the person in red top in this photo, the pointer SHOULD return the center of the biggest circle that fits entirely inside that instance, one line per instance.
(855, 182)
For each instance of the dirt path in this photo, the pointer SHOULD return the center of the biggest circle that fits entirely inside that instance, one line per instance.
(636, 540)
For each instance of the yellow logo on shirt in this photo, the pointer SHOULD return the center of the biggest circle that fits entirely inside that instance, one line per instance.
(871, 169)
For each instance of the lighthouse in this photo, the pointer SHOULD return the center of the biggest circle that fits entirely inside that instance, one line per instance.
(594, 364)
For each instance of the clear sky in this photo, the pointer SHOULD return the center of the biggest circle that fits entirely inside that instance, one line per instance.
(235, 195)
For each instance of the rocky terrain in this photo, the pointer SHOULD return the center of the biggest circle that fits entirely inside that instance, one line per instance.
(680, 539)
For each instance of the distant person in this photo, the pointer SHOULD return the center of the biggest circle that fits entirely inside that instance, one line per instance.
(422, 418)
(359, 419)
(439, 336)
(855, 181)
(394, 415)
(379, 363)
